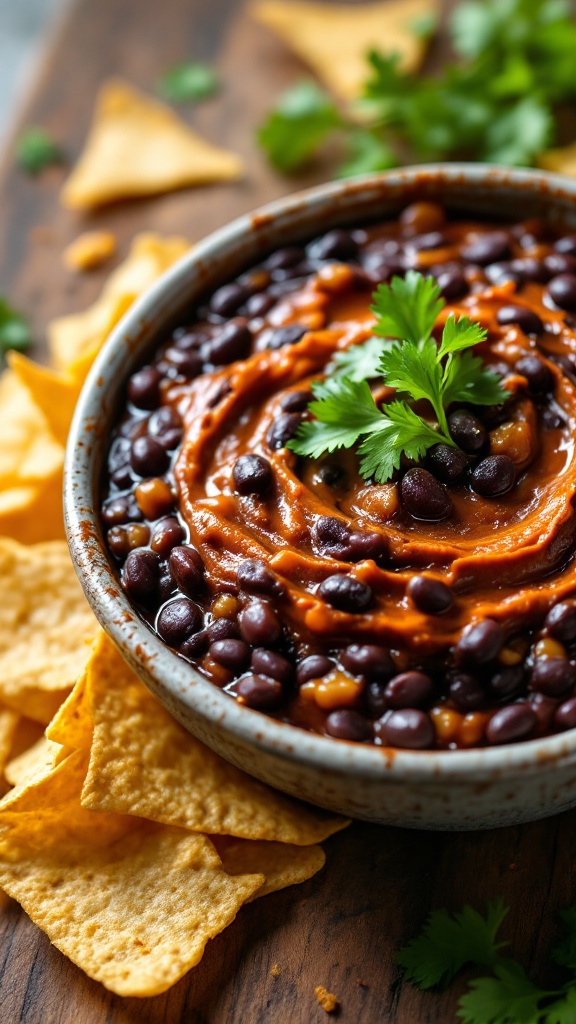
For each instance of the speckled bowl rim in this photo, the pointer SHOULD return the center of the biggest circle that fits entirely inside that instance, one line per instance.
(175, 681)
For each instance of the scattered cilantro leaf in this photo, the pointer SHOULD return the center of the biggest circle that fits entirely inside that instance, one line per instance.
(188, 81)
(367, 152)
(507, 998)
(449, 941)
(519, 134)
(344, 411)
(401, 431)
(300, 122)
(14, 331)
(563, 1011)
(36, 149)
(359, 362)
(407, 308)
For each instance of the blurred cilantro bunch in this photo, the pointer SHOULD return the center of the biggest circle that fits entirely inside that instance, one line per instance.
(498, 102)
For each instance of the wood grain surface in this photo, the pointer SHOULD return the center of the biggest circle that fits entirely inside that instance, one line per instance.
(343, 927)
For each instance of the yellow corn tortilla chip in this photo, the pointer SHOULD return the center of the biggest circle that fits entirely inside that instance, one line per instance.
(34, 513)
(75, 340)
(132, 903)
(561, 160)
(38, 759)
(45, 625)
(8, 723)
(29, 453)
(143, 763)
(281, 863)
(138, 146)
(89, 250)
(72, 725)
(54, 393)
(334, 39)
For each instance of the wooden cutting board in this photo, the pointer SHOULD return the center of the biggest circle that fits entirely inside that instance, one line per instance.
(342, 928)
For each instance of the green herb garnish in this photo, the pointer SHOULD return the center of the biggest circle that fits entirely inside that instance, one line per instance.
(14, 331)
(448, 942)
(188, 81)
(301, 121)
(36, 149)
(496, 103)
(344, 410)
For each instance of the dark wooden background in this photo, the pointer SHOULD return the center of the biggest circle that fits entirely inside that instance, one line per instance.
(343, 927)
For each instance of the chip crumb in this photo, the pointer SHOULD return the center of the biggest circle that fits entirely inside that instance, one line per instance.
(275, 970)
(513, 866)
(326, 999)
(361, 984)
(89, 250)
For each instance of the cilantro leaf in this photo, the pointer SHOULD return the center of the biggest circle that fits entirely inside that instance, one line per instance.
(563, 1011)
(367, 152)
(407, 308)
(449, 941)
(519, 134)
(302, 119)
(188, 81)
(564, 952)
(14, 331)
(36, 149)
(507, 998)
(417, 371)
(459, 334)
(402, 431)
(344, 411)
(359, 362)
(467, 380)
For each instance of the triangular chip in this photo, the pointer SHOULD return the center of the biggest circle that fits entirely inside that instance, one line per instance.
(75, 340)
(54, 393)
(29, 453)
(137, 146)
(34, 513)
(72, 725)
(561, 160)
(335, 39)
(45, 626)
(132, 903)
(281, 863)
(36, 761)
(143, 762)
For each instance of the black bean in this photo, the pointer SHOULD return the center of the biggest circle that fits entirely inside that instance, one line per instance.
(467, 693)
(515, 722)
(222, 629)
(179, 620)
(119, 454)
(562, 290)
(409, 729)
(269, 663)
(446, 463)
(255, 578)
(565, 715)
(332, 475)
(288, 256)
(467, 431)
(539, 376)
(531, 269)
(380, 267)
(335, 245)
(423, 497)
(566, 244)
(122, 477)
(315, 666)
(375, 699)
(551, 420)
(525, 318)
(429, 595)
(408, 690)
(544, 708)
(252, 474)
(188, 337)
(560, 263)
(227, 299)
(196, 645)
(144, 388)
(167, 534)
(259, 624)
(141, 576)
(165, 587)
(187, 363)
(489, 247)
(346, 594)
(117, 511)
(499, 273)
(165, 424)
(187, 570)
(331, 536)
(148, 457)
(296, 401)
(288, 335)
(493, 476)
(348, 725)
(232, 342)
(232, 654)
(259, 691)
(118, 541)
(507, 682)
(553, 676)
(480, 642)
(452, 283)
(561, 621)
(282, 429)
(427, 242)
(371, 661)
(364, 545)
(259, 305)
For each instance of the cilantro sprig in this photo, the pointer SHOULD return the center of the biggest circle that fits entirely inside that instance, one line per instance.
(36, 149)
(497, 102)
(14, 330)
(449, 942)
(416, 367)
(190, 80)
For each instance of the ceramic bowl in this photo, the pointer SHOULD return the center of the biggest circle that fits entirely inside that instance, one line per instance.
(466, 789)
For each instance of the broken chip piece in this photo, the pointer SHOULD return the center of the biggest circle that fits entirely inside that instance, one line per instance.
(89, 250)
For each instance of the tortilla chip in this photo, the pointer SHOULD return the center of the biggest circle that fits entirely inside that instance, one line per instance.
(45, 625)
(334, 39)
(29, 453)
(33, 514)
(89, 250)
(72, 725)
(8, 724)
(75, 340)
(143, 763)
(36, 761)
(137, 146)
(132, 903)
(280, 863)
(561, 160)
(54, 393)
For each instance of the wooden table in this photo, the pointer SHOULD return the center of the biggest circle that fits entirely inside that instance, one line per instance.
(343, 927)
